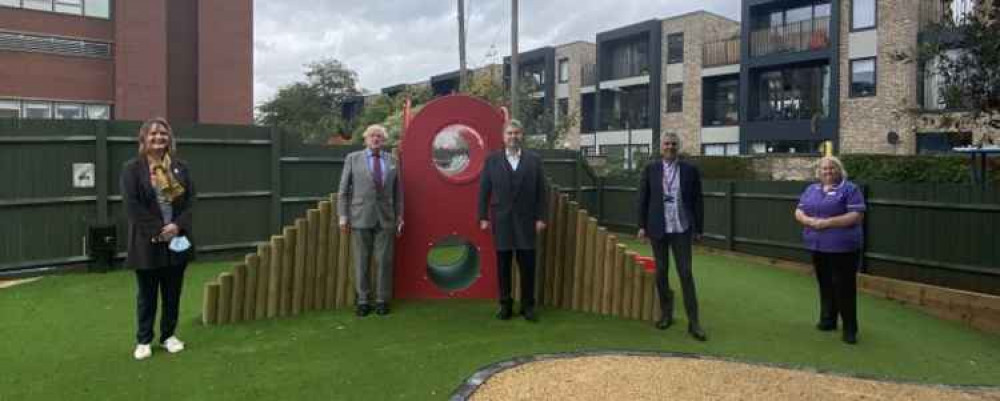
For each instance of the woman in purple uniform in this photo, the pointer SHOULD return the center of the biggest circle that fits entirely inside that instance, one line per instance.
(831, 212)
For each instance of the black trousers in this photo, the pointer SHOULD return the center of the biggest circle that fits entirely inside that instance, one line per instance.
(680, 244)
(165, 282)
(836, 274)
(526, 262)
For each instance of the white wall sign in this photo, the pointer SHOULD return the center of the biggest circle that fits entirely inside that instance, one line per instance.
(83, 175)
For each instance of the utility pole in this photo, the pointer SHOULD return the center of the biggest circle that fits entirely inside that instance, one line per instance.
(513, 59)
(461, 46)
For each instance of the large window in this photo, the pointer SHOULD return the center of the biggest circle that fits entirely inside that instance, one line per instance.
(43, 109)
(563, 71)
(587, 106)
(862, 14)
(675, 98)
(624, 108)
(675, 48)
(764, 147)
(721, 98)
(89, 8)
(863, 78)
(799, 93)
(720, 149)
(626, 58)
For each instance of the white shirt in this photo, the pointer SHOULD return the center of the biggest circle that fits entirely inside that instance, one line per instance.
(513, 158)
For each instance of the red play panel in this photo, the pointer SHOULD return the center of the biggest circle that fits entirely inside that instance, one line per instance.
(442, 155)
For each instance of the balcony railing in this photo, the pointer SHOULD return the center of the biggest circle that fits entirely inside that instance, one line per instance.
(954, 12)
(720, 114)
(721, 52)
(801, 36)
(589, 75)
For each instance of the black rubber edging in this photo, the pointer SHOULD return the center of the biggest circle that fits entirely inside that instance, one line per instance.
(469, 387)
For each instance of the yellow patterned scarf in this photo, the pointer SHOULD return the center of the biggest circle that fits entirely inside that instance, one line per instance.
(163, 179)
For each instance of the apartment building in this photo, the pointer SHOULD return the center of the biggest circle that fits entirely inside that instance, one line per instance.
(188, 60)
(448, 83)
(648, 80)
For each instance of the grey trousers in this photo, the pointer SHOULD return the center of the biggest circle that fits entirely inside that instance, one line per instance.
(366, 242)
(680, 244)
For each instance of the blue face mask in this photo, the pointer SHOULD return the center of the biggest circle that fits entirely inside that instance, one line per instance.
(179, 244)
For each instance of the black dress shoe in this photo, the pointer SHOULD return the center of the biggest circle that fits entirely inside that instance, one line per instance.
(664, 323)
(529, 315)
(826, 326)
(850, 338)
(504, 313)
(382, 309)
(363, 310)
(697, 332)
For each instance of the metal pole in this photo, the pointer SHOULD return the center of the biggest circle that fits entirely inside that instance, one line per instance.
(513, 60)
(628, 149)
(461, 46)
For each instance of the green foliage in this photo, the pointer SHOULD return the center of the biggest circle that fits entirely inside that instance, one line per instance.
(312, 109)
(388, 111)
(911, 169)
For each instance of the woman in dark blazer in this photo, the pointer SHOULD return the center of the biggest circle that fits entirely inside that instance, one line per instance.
(158, 195)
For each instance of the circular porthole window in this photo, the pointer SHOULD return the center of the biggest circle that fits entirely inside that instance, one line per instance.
(453, 263)
(458, 152)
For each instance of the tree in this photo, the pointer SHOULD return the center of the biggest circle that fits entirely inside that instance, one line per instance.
(535, 117)
(964, 51)
(312, 109)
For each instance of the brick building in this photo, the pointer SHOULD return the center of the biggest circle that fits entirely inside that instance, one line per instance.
(188, 60)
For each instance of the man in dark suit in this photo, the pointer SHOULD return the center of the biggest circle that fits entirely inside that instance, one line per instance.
(671, 215)
(370, 204)
(512, 198)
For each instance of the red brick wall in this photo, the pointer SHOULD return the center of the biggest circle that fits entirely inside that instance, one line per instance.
(140, 59)
(76, 26)
(37, 75)
(225, 61)
(182, 61)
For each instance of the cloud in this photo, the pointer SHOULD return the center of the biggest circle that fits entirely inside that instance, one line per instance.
(404, 41)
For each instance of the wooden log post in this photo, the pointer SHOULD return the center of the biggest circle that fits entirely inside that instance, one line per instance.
(558, 275)
(589, 260)
(597, 273)
(333, 245)
(648, 295)
(309, 278)
(578, 257)
(274, 282)
(263, 281)
(628, 271)
(225, 297)
(617, 291)
(322, 262)
(607, 283)
(210, 304)
(239, 285)
(635, 274)
(299, 271)
(252, 262)
(347, 256)
(290, 235)
(551, 249)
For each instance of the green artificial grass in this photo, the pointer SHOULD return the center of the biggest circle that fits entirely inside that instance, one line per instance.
(71, 337)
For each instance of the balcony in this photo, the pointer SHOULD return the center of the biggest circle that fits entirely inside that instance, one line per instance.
(720, 52)
(589, 75)
(808, 35)
(946, 12)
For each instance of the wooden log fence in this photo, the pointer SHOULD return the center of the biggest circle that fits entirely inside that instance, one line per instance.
(308, 267)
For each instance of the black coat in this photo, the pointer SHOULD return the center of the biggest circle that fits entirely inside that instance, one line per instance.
(513, 200)
(145, 220)
(651, 214)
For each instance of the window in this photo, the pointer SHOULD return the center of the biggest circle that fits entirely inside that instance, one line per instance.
(675, 98)
(10, 108)
(48, 44)
(563, 71)
(721, 102)
(863, 77)
(97, 8)
(720, 149)
(862, 14)
(626, 58)
(624, 108)
(10, 3)
(42, 110)
(675, 48)
(98, 112)
(942, 142)
(764, 147)
(797, 93)
(562, 108)
(69, 6)
(45, 5)
(69, 111)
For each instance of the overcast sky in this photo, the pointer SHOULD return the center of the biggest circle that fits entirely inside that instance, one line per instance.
(389, 42)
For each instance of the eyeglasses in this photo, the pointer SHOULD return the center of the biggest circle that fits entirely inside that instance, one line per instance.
(159, 132)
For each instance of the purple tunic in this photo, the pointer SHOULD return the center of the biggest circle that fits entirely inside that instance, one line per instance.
(843, 198)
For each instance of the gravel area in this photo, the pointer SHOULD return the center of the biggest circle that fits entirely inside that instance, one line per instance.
(659, 378)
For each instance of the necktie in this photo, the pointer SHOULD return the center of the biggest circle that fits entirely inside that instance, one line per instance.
(377, 169)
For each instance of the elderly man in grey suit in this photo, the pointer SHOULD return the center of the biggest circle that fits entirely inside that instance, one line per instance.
(370, 205)
(512, 200)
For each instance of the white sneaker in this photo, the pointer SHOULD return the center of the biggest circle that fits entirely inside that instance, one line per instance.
(173, 345)
(142, 351)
